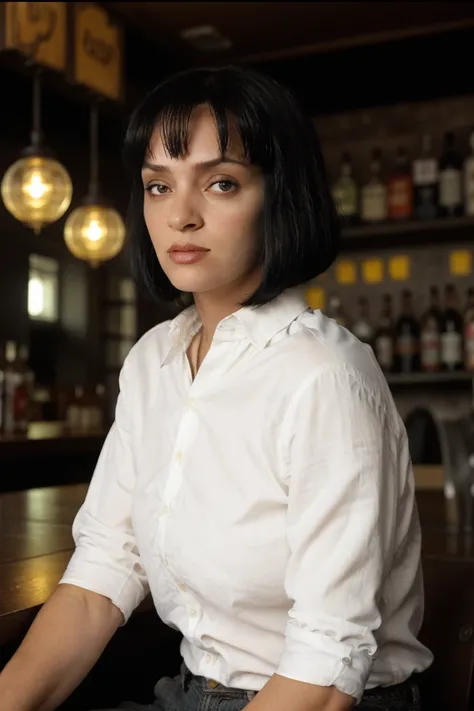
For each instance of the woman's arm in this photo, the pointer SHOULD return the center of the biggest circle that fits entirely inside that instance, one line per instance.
(282, 694)
(347, 464)
(104, 581)
(64, 642)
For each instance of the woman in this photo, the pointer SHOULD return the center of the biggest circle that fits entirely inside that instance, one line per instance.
(257, 477)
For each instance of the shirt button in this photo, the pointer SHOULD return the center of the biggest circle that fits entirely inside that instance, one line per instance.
(165, 509)
(192, 612)
(191, 403)
(179, 456)
(346, 661)
(183, 587)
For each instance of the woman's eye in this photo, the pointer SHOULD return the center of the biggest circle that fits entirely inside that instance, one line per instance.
(223, 186)
(157, 189)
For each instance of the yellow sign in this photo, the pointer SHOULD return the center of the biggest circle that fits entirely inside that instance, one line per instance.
(346, 272)
(399, 268)
(37, 30)
(372, 271)
(460, 262)
(98, 54)
(316, 298)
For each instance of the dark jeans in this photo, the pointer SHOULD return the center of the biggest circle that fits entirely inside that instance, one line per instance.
(186, 692)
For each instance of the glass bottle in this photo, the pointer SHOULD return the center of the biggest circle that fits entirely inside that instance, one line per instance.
(400, 188)
(450, 179)
(407, 337)
(384, 336)
(374, 193)
(425, 181)
(469, 331)
(362, 327)
(346, 191)
(430, 334)
(469, 178)
(452, 333)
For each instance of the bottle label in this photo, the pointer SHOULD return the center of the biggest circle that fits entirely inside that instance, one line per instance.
(425, 171)
(450, 188)
(345, 197)
(384, 352)
(469, 185)
(451, 352)
(406, 345)
(374, 203)
(469, 341)
(430, 350)
(400, 201)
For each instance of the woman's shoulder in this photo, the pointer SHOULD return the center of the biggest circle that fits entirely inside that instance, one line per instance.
(151, 349)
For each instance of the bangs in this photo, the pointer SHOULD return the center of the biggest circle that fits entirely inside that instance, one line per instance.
(171, 112)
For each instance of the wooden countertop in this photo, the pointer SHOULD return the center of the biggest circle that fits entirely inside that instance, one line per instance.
(50, 438)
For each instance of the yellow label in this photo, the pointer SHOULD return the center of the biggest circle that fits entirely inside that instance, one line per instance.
(372, 271)
(37, 30)
(399, 268)
(316, 297)
(346, 272)
(460, 262)
(97, 51)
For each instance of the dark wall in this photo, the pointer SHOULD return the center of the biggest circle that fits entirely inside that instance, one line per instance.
(76, 339)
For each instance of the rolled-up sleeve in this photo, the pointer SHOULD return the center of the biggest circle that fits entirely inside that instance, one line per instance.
(340, 449)
(106, 559)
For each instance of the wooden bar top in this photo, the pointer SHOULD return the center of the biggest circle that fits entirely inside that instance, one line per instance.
(47, 438)
(36, 545)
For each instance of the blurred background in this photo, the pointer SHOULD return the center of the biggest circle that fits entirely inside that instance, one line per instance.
(390, 90)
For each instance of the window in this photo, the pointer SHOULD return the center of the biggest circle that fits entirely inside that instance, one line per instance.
(43, 289)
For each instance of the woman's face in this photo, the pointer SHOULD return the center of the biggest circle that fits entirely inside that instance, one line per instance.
(203, 213)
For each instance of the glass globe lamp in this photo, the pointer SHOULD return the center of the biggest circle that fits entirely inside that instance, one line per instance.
(94, 233)
(36, 190)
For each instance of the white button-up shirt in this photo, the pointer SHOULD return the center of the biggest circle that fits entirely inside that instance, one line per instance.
(268, 504)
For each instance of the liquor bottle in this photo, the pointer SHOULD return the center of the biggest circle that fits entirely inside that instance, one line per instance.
(362, 327)
(451, 336)
(407, 337)
(469, 331)
(469, 178)
(425, 181)
(24, 391)
(430, 335)
(400, 188)
(346, 191)
(384, 336)
(13, 394)
(336, 311)
(450, 179)
(374, 193)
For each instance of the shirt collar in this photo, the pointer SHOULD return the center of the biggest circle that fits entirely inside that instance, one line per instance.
(260, 324)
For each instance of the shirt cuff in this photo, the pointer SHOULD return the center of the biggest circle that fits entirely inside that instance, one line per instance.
(126, 592)
(317, 659)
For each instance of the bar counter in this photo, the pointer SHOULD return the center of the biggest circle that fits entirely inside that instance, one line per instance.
(36, 545)
(48, 455)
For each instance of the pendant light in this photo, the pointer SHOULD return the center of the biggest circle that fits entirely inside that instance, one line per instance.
(36, 189)
(95, 231)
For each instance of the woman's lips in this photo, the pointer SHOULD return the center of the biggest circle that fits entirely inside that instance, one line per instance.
(188, 257)
(187, 253)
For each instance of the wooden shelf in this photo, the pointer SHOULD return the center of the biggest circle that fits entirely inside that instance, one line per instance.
(413, 232)
(424, 379)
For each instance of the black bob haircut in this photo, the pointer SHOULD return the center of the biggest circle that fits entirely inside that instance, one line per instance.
(299, 237)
